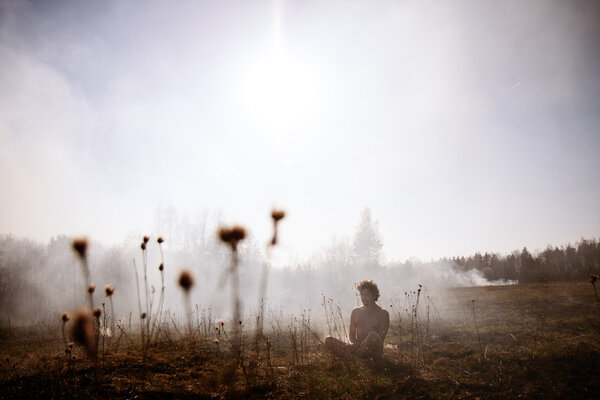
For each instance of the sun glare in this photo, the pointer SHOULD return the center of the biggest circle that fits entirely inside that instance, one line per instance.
(279, 91)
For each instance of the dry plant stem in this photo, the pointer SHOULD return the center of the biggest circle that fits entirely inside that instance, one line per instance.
(112, 315)
(158, 318)
(88, 281)
(188, 313)
(137, 285)
(236, 301)
(263, 289)
(148, 298)
(596, 293)
(477, 329)
(103, 330)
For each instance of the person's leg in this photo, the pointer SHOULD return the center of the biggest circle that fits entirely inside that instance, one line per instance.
(371, 347)
(340, 348)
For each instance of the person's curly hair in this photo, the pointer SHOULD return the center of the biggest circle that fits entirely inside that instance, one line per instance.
(370, 285)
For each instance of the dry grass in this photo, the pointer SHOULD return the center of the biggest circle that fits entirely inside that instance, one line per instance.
(538, 341)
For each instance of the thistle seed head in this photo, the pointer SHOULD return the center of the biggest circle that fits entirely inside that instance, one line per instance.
(161, 267)
(80, 247)
(109, 290)
(146, 239)
(160, 240)
(186, 280)
(91, 288)
(277, 215)
(232, 236)
(97, 312)
(82, 331)
(65, 317)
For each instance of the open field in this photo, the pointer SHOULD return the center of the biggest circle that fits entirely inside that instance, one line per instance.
(529, 341)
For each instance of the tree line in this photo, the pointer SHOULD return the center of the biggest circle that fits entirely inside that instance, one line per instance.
(553, 264)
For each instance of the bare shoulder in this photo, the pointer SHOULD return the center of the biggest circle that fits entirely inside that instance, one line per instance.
(356, 310)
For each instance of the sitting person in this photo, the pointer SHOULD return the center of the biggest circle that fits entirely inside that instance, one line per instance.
(368, 327)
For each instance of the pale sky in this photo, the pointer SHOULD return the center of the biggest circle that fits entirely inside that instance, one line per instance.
(463, 125)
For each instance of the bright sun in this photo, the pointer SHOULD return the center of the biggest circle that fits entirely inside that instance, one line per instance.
(279, 91)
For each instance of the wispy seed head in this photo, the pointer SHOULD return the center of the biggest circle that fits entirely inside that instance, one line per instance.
(109, 290)
(91, 288)
(80, 246)
(186, 280)
(65, 317)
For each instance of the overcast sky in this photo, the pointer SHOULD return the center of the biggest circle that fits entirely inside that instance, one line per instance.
(464, 126)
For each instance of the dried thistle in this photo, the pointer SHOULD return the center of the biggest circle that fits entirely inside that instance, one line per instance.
(146, 239)
(161, 267)
(82, 331)
(143, 246)
(186, 280)
(160, 240)
(232, 236)
(277, 215)
(593, 278)
(65, 317)
(109, 290)
(97, 312)
(91, 288)
(80, 246)
(143, 316)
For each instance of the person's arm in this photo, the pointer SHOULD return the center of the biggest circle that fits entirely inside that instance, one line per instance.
(384, 324)
(352, 332)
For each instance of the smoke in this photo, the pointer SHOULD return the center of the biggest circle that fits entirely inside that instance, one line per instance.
(40, 282)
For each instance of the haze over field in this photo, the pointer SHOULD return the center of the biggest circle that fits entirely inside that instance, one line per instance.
(464, 127)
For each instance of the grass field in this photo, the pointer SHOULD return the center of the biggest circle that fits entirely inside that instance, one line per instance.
(526, 341)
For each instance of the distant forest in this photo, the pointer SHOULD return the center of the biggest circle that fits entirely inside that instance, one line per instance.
(553, 264)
